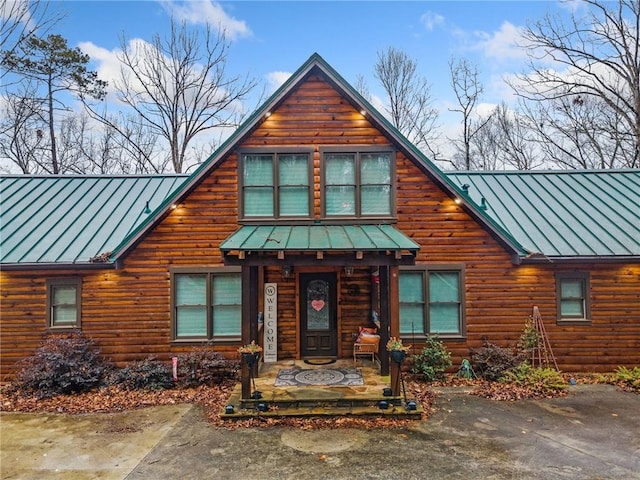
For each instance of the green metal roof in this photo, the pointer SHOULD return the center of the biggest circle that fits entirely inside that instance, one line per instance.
(593, 213)
(319, 238)
(70, 219)
(58, 220)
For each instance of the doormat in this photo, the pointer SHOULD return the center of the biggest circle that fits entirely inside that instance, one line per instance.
(329, 377)
(320, 361)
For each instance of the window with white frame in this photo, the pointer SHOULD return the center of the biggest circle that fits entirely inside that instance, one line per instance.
(358, 184)
(431, 302)
(572, 294)
(206, 305)
(276, 185)
(64, 301)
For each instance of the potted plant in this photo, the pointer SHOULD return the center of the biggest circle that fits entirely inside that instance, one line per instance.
(250, 352)
(397, 351)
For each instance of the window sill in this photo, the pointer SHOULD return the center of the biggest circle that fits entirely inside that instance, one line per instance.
(577, 321)
(421, 337)
(64, 328)
(201, 341)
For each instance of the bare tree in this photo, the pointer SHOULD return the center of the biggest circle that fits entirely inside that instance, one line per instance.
(505, 139)
(178, 87)
(82, 148)
(518, 145)
(410, 107)
(23, 140)
(19, 20)
(362, 87)
(585, 75)
(53, 70)
(467, 89)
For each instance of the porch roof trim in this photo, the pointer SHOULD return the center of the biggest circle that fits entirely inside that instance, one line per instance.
(274, 238)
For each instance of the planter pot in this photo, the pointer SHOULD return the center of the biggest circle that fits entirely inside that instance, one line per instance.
(250, 358)
(398, 356)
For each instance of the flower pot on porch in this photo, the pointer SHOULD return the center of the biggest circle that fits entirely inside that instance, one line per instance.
(250, 358)
(398, 356)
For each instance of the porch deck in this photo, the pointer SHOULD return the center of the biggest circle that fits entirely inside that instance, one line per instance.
(314, 400)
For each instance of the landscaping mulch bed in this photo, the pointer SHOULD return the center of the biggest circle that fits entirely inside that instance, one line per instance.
(211, 398)
(214, 398)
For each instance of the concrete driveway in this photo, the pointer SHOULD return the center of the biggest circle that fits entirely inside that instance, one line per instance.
(594, 433)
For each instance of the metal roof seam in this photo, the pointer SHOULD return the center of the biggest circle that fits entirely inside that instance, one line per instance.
(553, 213)
(609, 179)
(6, 253)
(604, 232)
(92, 214)
(504, 193)
(68, 197)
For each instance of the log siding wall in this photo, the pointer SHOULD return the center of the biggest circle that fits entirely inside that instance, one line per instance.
(127, 310)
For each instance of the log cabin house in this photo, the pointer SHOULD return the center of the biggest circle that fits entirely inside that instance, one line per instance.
(313, 219)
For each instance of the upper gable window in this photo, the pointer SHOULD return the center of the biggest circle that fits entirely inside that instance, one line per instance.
(276, 185)
(358, 184)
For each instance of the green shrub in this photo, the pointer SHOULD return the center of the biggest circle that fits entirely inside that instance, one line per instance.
(203, 366)
(492, 361)
(147, 374)
(540, 381)
(530, 337)
(62, 364)
(630, 377)
(432, 361)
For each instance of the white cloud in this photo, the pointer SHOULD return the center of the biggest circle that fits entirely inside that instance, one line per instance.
(111, 69)
(430, 20)
(207, 12)
(483, 110)
(501, 44)
(108, 64)
(275, 79)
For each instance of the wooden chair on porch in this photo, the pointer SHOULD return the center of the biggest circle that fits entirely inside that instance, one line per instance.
(367, 344)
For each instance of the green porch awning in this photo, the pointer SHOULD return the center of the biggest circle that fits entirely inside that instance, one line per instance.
(319, 238)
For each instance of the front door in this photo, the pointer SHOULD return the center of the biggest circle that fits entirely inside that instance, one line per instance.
(318, 315)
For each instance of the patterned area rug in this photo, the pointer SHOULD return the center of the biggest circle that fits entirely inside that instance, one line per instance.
(330, 377)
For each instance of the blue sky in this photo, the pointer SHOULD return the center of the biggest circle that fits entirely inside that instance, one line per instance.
(279, 36)
(272, 39)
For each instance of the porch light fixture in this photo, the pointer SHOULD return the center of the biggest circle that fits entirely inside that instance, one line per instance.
(267, 114)
(348, 271)
(286, 271)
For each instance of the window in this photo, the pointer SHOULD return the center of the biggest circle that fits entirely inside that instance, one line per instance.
(358, 184)
(276, 185)
(431, 302)
(207, 305)
(64, 300)
(572, 297)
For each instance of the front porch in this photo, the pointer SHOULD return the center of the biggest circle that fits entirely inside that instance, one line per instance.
(316, 400)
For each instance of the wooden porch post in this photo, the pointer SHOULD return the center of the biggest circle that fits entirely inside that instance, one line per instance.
(394, 324)
(249, 321)
(389, 321)
(385, 314)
